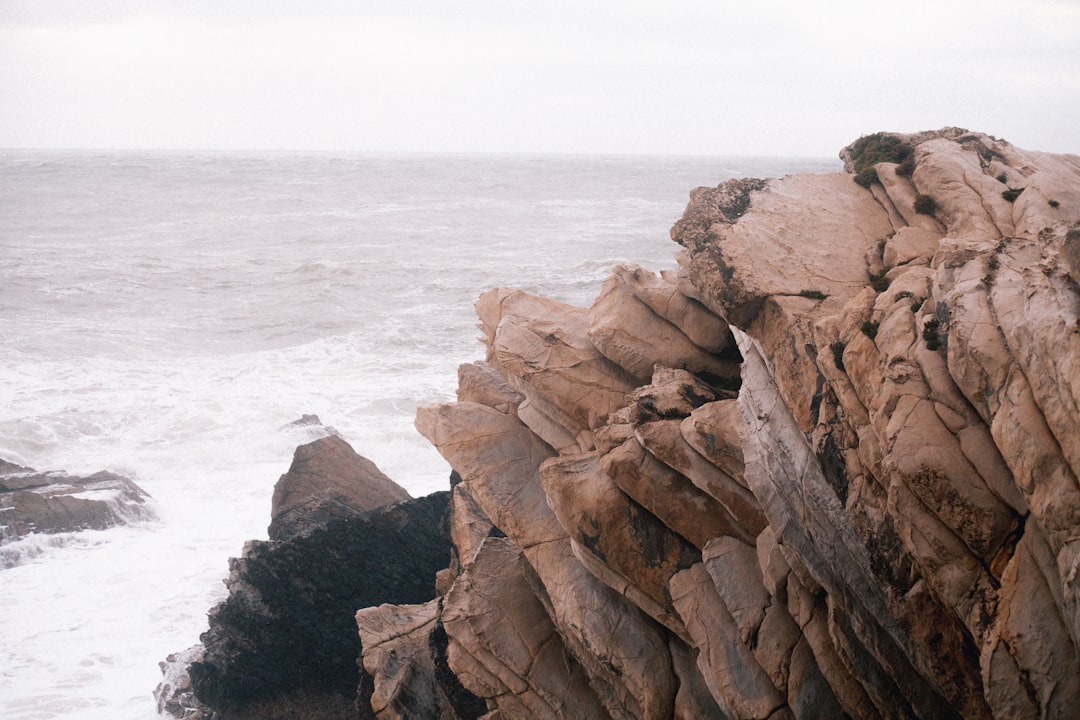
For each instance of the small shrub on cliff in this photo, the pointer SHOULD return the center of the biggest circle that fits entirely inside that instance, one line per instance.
(813, 294)
(870, 328)
(1012, 194)
(990, 154)
(1054, 204)
(869, 150)
(878, 281)
(838, 354)
(906, 166)
(930, 334)
(925, 205)
(867, 177)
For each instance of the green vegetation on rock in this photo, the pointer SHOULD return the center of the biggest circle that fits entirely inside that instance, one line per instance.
(869, 150)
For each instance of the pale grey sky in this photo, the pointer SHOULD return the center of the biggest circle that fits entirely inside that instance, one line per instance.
(754, 77)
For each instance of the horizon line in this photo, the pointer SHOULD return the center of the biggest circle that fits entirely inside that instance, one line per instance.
(343, 151)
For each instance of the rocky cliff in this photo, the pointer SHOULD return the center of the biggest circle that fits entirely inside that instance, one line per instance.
(828, 468)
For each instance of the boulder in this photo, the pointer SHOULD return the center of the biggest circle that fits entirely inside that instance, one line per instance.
(327, 479)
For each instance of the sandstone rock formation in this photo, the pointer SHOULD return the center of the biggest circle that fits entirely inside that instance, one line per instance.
(55, 502)
(828, 468)
(283, 644)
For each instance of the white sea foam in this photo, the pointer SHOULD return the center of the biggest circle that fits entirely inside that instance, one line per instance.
(167, 316)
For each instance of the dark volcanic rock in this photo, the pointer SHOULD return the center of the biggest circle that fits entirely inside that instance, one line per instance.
(328, 479)
(287, 629)
(32, 501)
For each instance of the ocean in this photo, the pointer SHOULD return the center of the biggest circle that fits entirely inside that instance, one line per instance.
(167, 315)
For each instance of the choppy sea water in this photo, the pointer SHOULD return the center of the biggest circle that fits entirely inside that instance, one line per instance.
(165, 315)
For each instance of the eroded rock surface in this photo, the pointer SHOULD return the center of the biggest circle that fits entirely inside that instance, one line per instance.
(828, 468)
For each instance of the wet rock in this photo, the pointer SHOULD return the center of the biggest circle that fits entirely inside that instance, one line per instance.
(55, 502)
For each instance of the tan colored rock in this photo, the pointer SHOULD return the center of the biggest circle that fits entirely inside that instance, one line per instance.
(809, 520)
(901, 193)
(811, 612)
(503, 645)
(542, 348)
(1070, 253)
(673, 393)
(733, 567)
(678, 503)
(1036, 308)
(664, 297)
(618, 532)
(665, 441)
(911, 245)
(738, 682)
(715, 431)
(499, 459)
(624, 652)
(628, 332)
(479, 382)
(804, 232)
(1013, 353)
(469, 525)
(398, 657)
(885, 524)
(969, 201)
(1026, 641)
(694, 700)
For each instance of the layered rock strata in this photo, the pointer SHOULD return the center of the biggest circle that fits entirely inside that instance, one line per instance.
(827, 468)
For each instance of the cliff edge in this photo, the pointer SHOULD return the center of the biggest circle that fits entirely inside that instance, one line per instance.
(827, 468)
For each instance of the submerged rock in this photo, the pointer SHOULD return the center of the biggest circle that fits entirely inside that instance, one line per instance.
(55, 502)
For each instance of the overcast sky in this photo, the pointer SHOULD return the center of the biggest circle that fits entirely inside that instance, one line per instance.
(754, 77)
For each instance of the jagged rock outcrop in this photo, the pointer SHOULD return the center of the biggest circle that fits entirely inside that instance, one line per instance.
(327, 479)
(827, 468)
(283, 644)
(55, 502)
